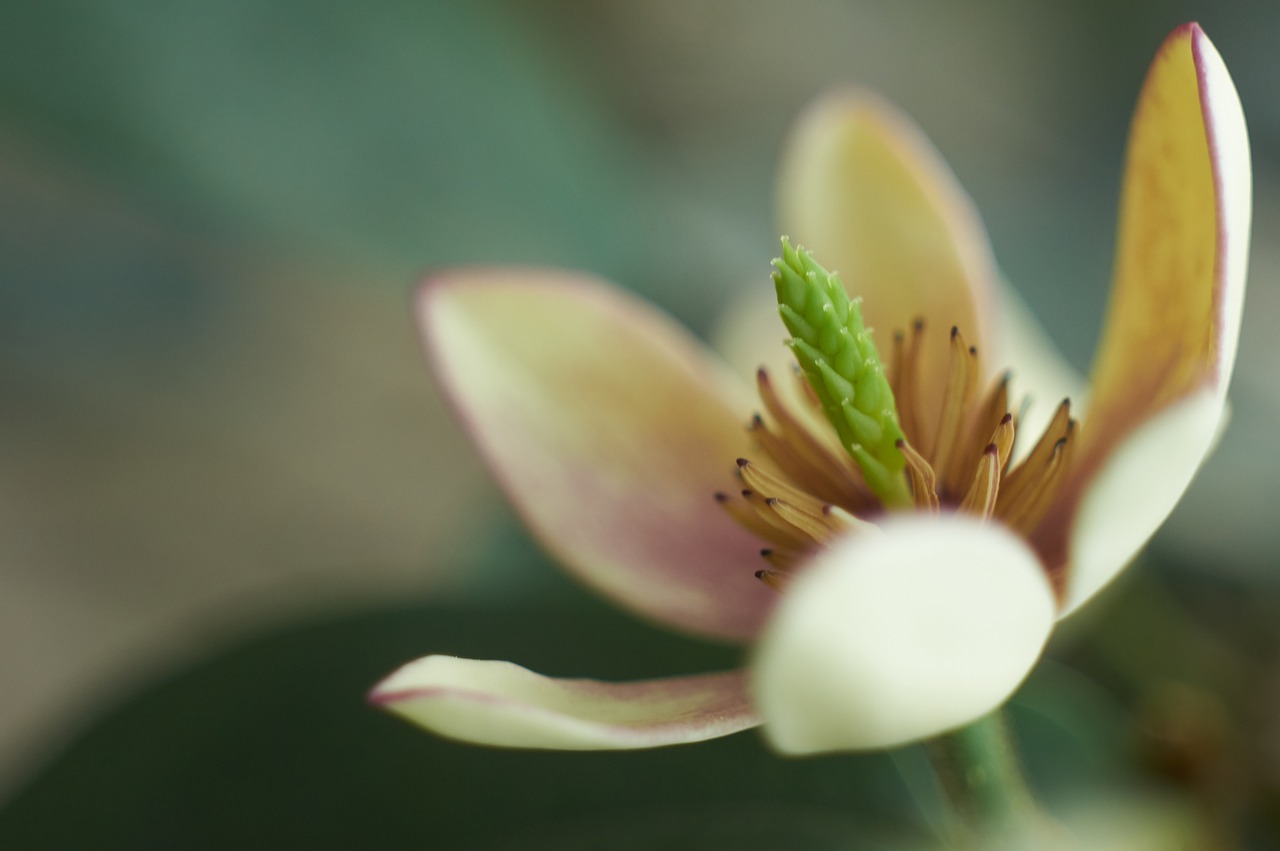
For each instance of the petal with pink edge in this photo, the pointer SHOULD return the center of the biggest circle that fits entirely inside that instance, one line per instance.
(863, 189)
(1174, 319)
(505, 705)
(611, 429)
(886, 639)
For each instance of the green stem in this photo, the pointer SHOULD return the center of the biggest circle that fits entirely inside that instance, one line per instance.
(980, 775)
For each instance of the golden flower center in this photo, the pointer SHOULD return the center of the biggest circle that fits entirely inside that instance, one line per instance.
(803, 489)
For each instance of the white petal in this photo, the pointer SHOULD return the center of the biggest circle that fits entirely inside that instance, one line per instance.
(505, 705)
(1136, 489)
(890, 638)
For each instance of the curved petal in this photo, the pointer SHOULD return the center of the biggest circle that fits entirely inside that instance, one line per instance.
(890, 638)
(865, 191)
(610, 429)
(505, 705)
(1174, 318)
(1141, 482)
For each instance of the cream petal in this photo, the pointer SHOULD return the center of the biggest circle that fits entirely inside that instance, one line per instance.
(610, 429)
(1174, 319)
(865, 191)
(1136, 490)
(505, 705)
(896, 637)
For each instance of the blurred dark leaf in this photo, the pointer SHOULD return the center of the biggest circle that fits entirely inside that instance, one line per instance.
(271, 745)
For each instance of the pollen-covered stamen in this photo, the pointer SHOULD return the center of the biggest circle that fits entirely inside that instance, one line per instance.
(985, 422)
(808, 491)
(843, 521)
(803, 456)
(924, 484)
(969, 466)
(763, 482)
(813, 524)
(1026, 474)
(948, 461)
(1024, 513)
(763, 524)
(981, 498)
(780, 531)
(781, 560)
(904, 379)
(1003, 437)
(775, 580)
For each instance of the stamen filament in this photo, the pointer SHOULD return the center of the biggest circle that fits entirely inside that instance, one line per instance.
(815, 526)
(1027, 473)
(981, 498)
(760, 522)
(775, 580)
(924, 485)
(960, 382)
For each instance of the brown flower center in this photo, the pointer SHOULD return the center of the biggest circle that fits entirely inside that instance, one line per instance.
(803, 489)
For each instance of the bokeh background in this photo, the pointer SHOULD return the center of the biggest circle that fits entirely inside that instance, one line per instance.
(231, 498)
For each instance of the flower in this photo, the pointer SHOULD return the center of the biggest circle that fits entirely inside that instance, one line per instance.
(610, 428)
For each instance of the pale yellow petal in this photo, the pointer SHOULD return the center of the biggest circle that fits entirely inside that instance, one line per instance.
(865, 191)
(1174, 319)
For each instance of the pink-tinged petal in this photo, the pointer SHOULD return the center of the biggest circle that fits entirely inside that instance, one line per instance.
(886, 639)
(505, 705)
(611, 429)
(865, 191)
(1174, 319)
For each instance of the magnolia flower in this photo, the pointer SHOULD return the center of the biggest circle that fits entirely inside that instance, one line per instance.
(886, 613)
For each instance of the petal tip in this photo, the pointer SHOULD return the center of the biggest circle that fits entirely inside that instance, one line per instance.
(896, 638)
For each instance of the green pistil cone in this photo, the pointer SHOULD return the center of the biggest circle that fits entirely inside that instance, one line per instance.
(842, 365)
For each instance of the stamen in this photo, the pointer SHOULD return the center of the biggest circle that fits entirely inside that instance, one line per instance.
(830, 460)
(985, 421)
(760, 521)
(1025, 513)
(766, 483)
(776, 581)
(1003, 438)
(785, 533)
(981, 498)
(924, 486)
(782, 560)
(1027, 473)
(905, 380)
(844, 522)
(813, 525)
(960, 382)
(828, 474)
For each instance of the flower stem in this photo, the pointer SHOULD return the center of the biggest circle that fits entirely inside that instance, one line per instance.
(982, 780)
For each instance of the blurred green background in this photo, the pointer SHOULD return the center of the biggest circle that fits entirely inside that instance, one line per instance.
(231, 498)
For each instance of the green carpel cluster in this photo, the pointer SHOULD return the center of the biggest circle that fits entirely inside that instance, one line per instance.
(840, 361)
